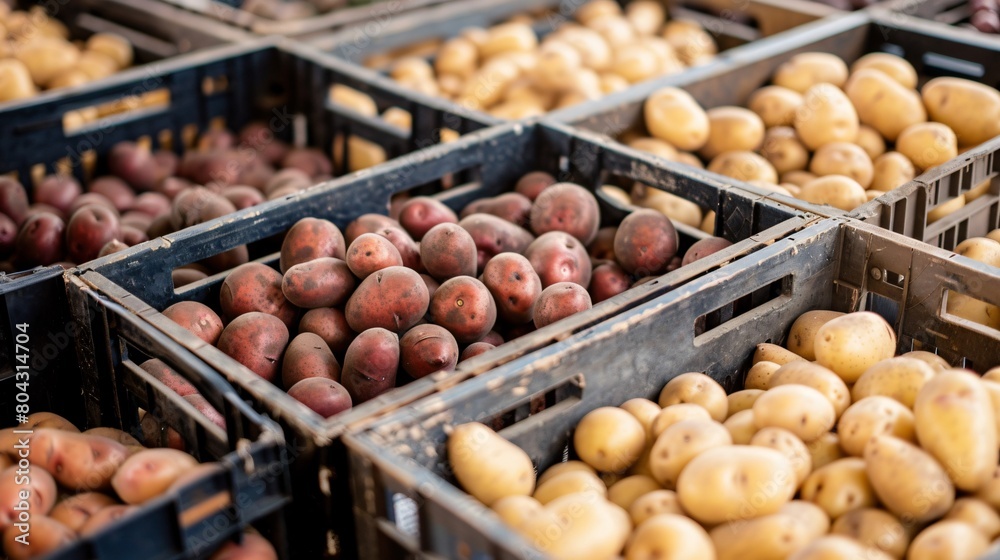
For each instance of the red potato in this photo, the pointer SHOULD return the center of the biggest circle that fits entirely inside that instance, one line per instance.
(198, 205)
(86, 199)
(703, 248)
(158, 434)
(370, 365)
(407, 247)
(607, 281)
(532, 184)
(513, 207)
(645, 243)
(323, 396)
(113, 434)
(493, 337)
(58, 191)
(371, 252)
(131, 236)
(166, 375)
(310, 239)
(602, 248)
(197, 318)
(243, 196)
(185, 276)
(50, 420)
(432, 284)
(149, 473)
(75, 511)
(323, 282)
(518, 331)
(137, 220)
(170, 187)
(13, 200)
(135, 165)
(464, 306)
(152, 204)
(78, 462)
(206, 409)
(256, 175)
(258, 137)
(475, 349)
(46, 535)
(167, 162)
(256, 287)
(331, 325)
(559, 301)
(394, 299)
(256, 340)
(494, 235)
(514, 285)
(308, 356)
(569, 208)
(559, 257)
(8, 235)
(115, 189)
(291, 178)
(447, 251)
(38, 208)
(368, 223)
(39, 486)
(42, 240)
(103, 518)
(310, 160)
(89, 230)
(215, 169)
(253, 547)
(426, 349)
(419, 214)
(216, 139)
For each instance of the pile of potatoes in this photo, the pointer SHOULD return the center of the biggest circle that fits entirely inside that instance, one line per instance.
(827, 134)
(350, 315)
(834, 449)
(36, 54)
(77, 484)
(508, 72)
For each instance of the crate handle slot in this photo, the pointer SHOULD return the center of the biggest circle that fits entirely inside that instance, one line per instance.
(772, 294)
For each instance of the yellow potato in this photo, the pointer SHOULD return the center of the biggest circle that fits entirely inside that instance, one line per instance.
(670, 205)
(928, 145)
(870, 141)
(759, 376)
(692, 43)
(572, 482)
(742, 400)
(883, 104)
(644, 410)
(897, 378)
(838, 191)
(993, 391)
(354, 100)
(767, 352)
(732, 129)
(699, 389)
(783, 150)
(112, 45)
(47, 58)
(803, 332)
(398, 117)
(907, 480)
(969, 108)
(692, 160)
(797, 178)
(788, 445)
(990, 492)
(945, 209)
(936, 362)
(982, 249)
(635, 64)
(770, 187)
(560, 468)
(836, 547)
(735, 482)
(956, 425)
(458, 56)
(513, 510)
(655, 147)
(892, 170)
(411, 68)
(977, 514)
(508, 37)
(802, 410)
(816, 520)
(817, 377)
(775, 105)
(978, 191)
(96, 65)
(825, 450)
(778, 535)
(826, 115)
(851, 344)
(874, 415)
(657, 502)
(990, 375)
(609, 439)
(616, 30)
(578, 527)
(557, 63)
(595, 10)
(973, 310)
(677, 413)
(994, 235)
(744, 166)
(487, 85)
(843, 158)
(669, 537)
(741, 427)
(839, 487)
(805, 70)
(594, 50)
(874, 528)
(895, 67)
(948, 540)
(71, 78)
(488, 466)
(645, 16)
(671, 114)
(627, 490)
(681, 443)
(708, 223)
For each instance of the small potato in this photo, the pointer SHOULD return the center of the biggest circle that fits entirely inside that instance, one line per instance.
(936, 362)
(783, 150)
(495, 235)
(487, 85)
(982, 249)
(838, 191)
(744, 166)
(508, 37)
(34, 493)
(16, 80)
(883, 104)
(851, 344)
(969, 108)
(105, 517)
(77, 461)
(826, 115)
(669, 536)
(112, 45)
(309, 239)
(76, 510)
(645, 242)
(892, 170)
(692, 43)
(607, 281)
(513, 207)
(654, 146)
(572, 482)
(645, 17)
(816, 520)
(825, 450)
(874, 528)
(907, 480)
(948, 540)
(836, 547)
(514, 510)
(488, 466)
(583, 529)
(370, 365)
(559, 468)
(627, 490)
(394, 298)
(47, 58)
(775, 105)
(796, 178)
(308, 356)
(644, 410)
(928, 145)
(426, 349)
(657, 502)
(803, 71)
(677, 208)
(671, 114)
(595, 53)
(839, 487)
(777, 535)
(871, 416)
(977, 514)
(256, 340)
(742, 400)
(704, 248)
(677, 413)
(421, 213)
(897, 378)
(759, 376)
(465, 307)
(558, 301)
(895, 67)
(732, 129)
(817, 377)
(43, 535)
(871, 141)
(609, 439)
(739, 475)
(322, 282)
(637, 63)
(788, 445)
(802, 410)
(370, 253)
(331, 325)
(843, 158)
(149, 473)
(569, 208)
(447, 251)
(802, 335)
(514, 285)
(680, 443)
(741, 427)
(699, 389)
(255, 287)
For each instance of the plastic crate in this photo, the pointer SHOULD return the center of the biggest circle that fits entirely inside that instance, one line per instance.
(251, 487)
(932, 50)
(406, 501)
(484, 164)
(947, 12)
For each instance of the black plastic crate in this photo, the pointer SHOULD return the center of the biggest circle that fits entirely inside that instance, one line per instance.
(483, 164)
(252, 486)
(932, 50)
(406, 501)
(947, 12)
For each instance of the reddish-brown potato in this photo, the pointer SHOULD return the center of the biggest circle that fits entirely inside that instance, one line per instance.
(492, 337)
(566, 207)
(307, 356)
(105, 517)
(559, 257)
(46, 535)
(368, 223)
(331, 325)
(8, 235)
(120, 194)
(602, 248)
(432, 284)
(256, 340)
(198, 205)
(112, 247)
(137, 220)
(197, 318)
(135, 165)
(41, 490)
(185, 276)
(259, 137)
(13, 200)
(325, 397)
(419, 214)
(206, 409)
(57, 190)
(394, 298)
(559, 301)
(77, 461)
(494, 235)
(132, 236)
(322, 282)
(89, 198)
(371, 252)
(75, 511)
(645, 243)
(475, 349)
(370, 365)
(42, 240)
(514, 285)
(425, 349)
(310, 239)
(703, 248)
(166, 375)
(253, 547)
(310, 160)
(173, 186)
(464, 306)
(255, 287)
(215, 170)
(608, 281)
(513, 207)
(243, 196)
(448, 251)
(90, 228)
(291, 179)
(149, 473)
(532, 184)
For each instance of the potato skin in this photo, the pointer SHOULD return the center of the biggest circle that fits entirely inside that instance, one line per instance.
(74, 511)
(464, 306)
(703, 248)
(557, 257)
(197, 318)
(166, 375)
(370, 365)
(331, 325)
(407, 247)
(969, 108)
(883, 104)
(513, 207)
(47, 535)
(323, 396)
(367, 223)
(607, 281)
(322, 282)
(514, 285)
(645, 243)
(422, 213)
(256, 340)
(42, 494)
(495, 235)
(907, 479)
(370, 253)
(308, 356)
(475, 349)
(394, 298)
(560, 300)
(309, 239)
(426, 349)
(256, 287)
(149, 473)
(447, 251)
(826, 115)
(566, 207)
(77, 461)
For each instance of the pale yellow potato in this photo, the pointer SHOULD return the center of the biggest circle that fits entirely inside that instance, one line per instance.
(771, 187)
(980, 190)
(973, 310)
(838, 191)
(427, 86)
(870, 141)
(969, 108)
(637, 64)
(744, 166)
(742, 400)
(797, 178)
(928, 145)
(936, 362)
(672, 206)
(617, 194)
(892, 170)
(816, 520)
(692, 43)
(872, 195)
(907, 479)
(735, 482)
(741, 427)
(488, 466)
(616, 30)
(656, 147)
(646, 16)
(690, 159)
(595, 53)
(874, 528)
(557, 62)
(708, 222)
(948, 540)
(112, 45)
(96, 65)
(825, 450)
(851, 344)
(696, 388)
(777, 535)
(775, 105)
(47, 58)
(994, 235)
(657, 502)
(792, 188)
(514, 510)
(672, 115)
(990, 375)
(597, 10)
(451, 85)
(411, 68)
(826, 115)
(990, 492)
(354, 100)
(486, 86)
(895, 67)
(956, 424)
(982, 249)
(682, 442)
(560, 468)
(790, 446)
(843, 158)
(516, 110)
(572, 482)
(759, 376)
(883, 104)
(874, 415)
(669, 537)
(71, 78)
(577, 527)
(667, 59)
(839, 487)
(644, 410)
(805, 70)
(802, 334)
(945, 209)
(978, 514)
(609, 439)
(398, 117)
(15, 80)
(837, 547)
(458, 56)
(508, 37)
(817, 377)
(802, 410)
(612, 83)
(363, 154)
(782, 148)
(732, 129)
(629, 489)
(677, 413)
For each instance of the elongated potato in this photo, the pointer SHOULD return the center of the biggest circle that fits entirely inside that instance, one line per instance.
(805, 70)
(896, 67)
(817, 377)
(907, 480)
(699, 389)
(680, 443)
(559, 468)
(851, 344)
(874, 528)
(668, 537)
(826, 115)
(897, 378)
(928, 145)
(778, 535)
(609, 439)
(488, 466)
(760, 374)
(577, 527)
(672, 115)
(978, 514)
(839, 487)
(572, 482)
(839, 191)
(629, 489)
(948, 540)
(871, 416)
(149, 473)
(767, 352)
(802, 335)
(790, 446)
(969, 108)
(883, 104)
(732, 129)
(801, 410)
(77, 461)
(742, 400)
